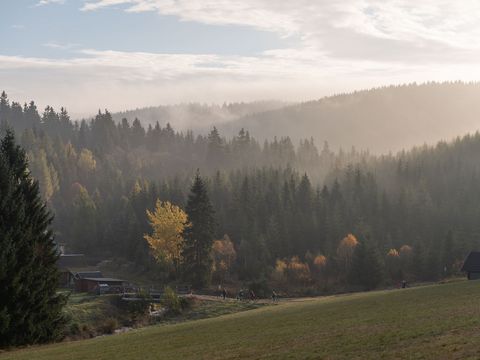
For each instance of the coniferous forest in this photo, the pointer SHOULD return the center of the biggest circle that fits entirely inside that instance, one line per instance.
(295, 215)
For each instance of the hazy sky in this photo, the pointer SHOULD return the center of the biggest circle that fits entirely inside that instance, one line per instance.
(122, 54)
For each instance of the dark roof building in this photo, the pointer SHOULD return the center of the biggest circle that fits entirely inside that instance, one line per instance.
(91, 284)
(66, 263)
(94, 274)
(471, 265)
(74, 273)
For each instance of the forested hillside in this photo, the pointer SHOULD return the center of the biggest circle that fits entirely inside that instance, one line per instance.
(380, 120)
(293, 215)
(197, 117)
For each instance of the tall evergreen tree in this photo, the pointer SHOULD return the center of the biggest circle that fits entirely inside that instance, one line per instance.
(366, 270)
(30, 308)
(198, 235)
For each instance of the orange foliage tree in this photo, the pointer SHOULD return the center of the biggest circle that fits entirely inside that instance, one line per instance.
(224, 255)
(298, 271)
(345, 252)
(279, 272)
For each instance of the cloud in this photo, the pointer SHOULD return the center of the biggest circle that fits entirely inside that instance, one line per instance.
(49, 2)
(117, 80)
(339, 46)
(56, 45)
(412, 25)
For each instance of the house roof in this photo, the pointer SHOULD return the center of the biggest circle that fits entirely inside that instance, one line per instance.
(102, 279)
(66, 261)
(472, 262)
(88, 274)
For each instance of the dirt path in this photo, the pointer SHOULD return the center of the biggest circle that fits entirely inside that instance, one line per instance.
(259, 301)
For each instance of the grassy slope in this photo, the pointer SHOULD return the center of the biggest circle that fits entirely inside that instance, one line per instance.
(434, 322)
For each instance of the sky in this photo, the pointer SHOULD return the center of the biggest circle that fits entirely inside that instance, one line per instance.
(123, 54)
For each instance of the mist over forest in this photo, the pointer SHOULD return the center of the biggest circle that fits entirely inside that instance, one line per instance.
(197, 117)
(380, 120)
(275, 200)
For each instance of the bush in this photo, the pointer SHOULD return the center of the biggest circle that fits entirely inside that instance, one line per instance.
(135, 309)
(187, 302)
(73, 329)
(109, 326)
(171, 301)
(86, 330)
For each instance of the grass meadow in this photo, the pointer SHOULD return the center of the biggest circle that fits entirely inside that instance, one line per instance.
(430, 322)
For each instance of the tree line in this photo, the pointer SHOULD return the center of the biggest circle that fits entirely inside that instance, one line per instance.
(282, 212)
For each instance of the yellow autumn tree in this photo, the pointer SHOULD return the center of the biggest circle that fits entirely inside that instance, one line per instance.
(86, 161)
(393, 253)
(320, 262)
(298, 271)
(166, 242)
(279, 273)
(318, 267)
(345, 252)
(224, 255)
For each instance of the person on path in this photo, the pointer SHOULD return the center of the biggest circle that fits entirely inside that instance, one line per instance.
(224, 293)
(274, 296)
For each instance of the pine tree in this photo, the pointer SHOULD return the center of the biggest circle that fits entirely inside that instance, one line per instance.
(198, 235)
(4, 108)
(30, 308)
(216, 150)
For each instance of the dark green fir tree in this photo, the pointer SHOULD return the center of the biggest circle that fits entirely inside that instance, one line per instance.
(198, 235)
(30, 307)
(367, 268)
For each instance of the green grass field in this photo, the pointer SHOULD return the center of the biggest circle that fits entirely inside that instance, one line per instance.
(431, 322)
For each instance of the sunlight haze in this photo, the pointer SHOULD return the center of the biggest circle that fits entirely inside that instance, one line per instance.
(123, 54)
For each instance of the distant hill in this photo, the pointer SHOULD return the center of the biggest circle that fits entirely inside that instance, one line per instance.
(381, 120)
(197, 117)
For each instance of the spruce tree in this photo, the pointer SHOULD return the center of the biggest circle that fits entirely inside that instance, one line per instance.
(198, 235)
(30, 308)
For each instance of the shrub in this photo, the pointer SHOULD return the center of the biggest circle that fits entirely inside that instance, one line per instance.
(135, 309)
(187, 302)
(109, 326)
(74, 329)
(171, 301)
(85, 329)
